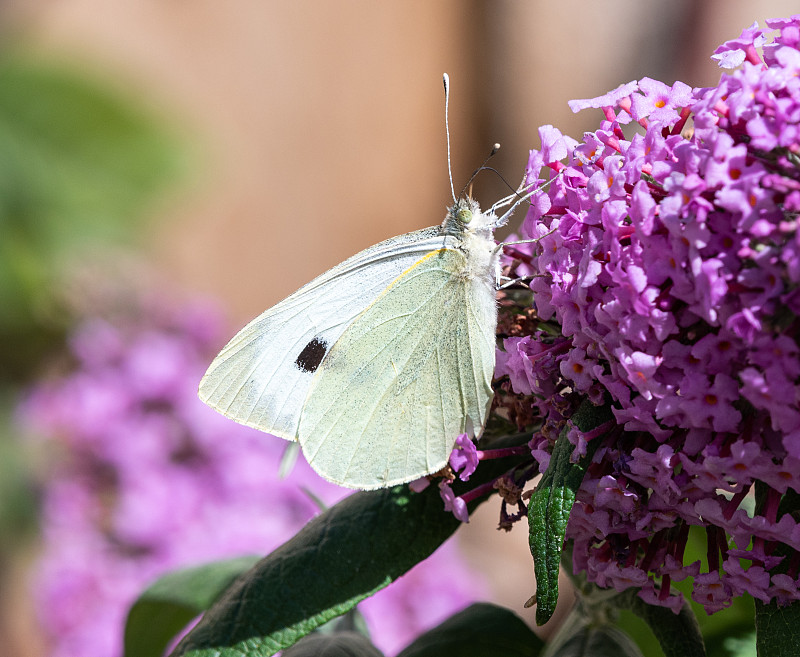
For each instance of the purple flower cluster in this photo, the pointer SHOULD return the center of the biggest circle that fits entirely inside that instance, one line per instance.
(144, 478)
(669, 254)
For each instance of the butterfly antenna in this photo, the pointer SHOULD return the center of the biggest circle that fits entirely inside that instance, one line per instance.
(500, 175)
(446, 80)
(483, 167)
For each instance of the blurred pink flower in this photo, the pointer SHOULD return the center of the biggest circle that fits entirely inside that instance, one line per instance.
(145, 479)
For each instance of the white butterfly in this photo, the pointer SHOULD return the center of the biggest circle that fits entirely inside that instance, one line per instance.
(379, 364)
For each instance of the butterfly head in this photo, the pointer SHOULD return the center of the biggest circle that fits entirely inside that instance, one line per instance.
(465, 216)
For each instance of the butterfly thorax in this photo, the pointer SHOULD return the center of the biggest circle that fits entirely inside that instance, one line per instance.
(474, 231)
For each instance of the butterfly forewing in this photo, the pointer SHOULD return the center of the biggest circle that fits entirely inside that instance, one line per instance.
(408, 375)
(262, 376)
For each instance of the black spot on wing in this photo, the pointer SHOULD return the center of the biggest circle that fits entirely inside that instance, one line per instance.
(312, 355)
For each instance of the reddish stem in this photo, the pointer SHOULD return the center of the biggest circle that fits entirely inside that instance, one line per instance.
(680, 543)
(734, 503)
(752, 56)
(486, 454)
(599, 431)
(663, 594)
(712, 549)
(676, 129)
(478, 491)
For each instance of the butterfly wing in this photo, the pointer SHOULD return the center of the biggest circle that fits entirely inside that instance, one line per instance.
(261, 377)
(411, 373)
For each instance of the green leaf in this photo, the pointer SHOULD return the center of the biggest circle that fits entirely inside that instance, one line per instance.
(339, 644)
(777, 630)
(78, 153)
(551, 504)
(678, 635)
(167, 605)
(334, 562)
(479, 630)
(82, 162)
(338, 559)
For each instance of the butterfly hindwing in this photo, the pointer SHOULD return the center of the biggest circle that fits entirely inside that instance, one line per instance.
(421, 357)
(262, 376)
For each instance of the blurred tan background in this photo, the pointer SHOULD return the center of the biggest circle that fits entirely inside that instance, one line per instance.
(321, 123)
(317, 128)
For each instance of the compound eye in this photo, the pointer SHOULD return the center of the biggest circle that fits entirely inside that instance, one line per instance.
(464, 216)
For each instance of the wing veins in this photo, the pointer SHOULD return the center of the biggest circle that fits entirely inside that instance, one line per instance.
(441, 408)
(389, 389)
(380, 352)
(489, 343)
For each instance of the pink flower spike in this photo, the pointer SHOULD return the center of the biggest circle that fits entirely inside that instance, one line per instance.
(754, 580)
(455, 505)
(733, 53)
(659, 102)
(711, 592)
(465, 457)
(651, 595)
(555, 146)
(419, 485)
(784, 589)
(729, 59)
(611, 99)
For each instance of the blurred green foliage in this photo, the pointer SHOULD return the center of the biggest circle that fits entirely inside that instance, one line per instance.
(79, 165)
